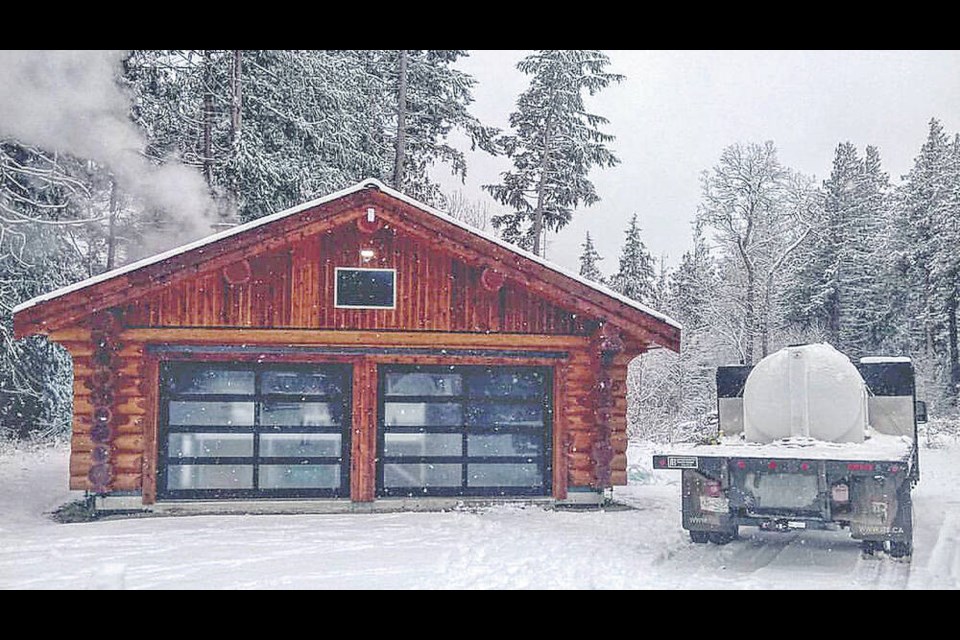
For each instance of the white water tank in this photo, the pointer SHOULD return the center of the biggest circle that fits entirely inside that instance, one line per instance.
(807, 391)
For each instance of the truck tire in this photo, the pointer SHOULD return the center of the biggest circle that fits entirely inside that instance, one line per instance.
(700, 537)
(870, 547)
(900, 549)
(722, 537)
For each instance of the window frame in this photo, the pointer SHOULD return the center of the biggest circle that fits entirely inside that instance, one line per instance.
(336, 288)
(545, 431)
(258, 397)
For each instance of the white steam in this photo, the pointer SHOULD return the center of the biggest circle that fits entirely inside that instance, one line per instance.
(69, 101)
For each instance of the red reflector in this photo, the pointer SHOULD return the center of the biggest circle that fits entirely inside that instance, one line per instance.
(773, 464)
(662, 462)
(804, 466)
(859, 466)
(741, 465)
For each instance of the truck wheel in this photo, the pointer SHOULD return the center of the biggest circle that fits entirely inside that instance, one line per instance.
(900, 549)
(721, 537)
(870, 547)
(700, 537)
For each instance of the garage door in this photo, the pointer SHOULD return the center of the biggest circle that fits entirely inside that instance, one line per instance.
(254, 430)
(464, 430)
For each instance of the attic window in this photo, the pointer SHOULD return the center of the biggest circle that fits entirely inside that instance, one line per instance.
(359, 288)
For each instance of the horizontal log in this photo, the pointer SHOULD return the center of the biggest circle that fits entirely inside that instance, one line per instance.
(580, 460)
(581, 478)
(80, 483)
(81, 443)
(126, 482)
(128, 444)
(83, 367)
(80, 463)
(127, 350)
(618, 478)
(619, 462)
(619, 442)
(80, 390)
(130, 407)
(581, 440)
(379, 338)
(129, 424)
(127, 462)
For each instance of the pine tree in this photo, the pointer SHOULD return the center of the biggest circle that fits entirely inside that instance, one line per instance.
(919, 200)
(554, 146)
(693, 284)
(834, 287)
(431, 100)
(635, 276)
(588, 261)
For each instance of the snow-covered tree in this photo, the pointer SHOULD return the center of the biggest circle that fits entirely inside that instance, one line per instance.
(431, 98)
(635, 276)
(38, 220)
(588, 261)
(555, 144)
(759, 213)
(834, 285)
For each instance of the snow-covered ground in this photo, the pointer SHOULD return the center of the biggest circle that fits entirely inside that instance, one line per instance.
(504, 547)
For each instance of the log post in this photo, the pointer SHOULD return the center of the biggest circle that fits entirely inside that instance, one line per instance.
(105, 326)
(608, 342)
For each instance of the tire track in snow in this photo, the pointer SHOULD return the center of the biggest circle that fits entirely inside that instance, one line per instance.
(942, 569)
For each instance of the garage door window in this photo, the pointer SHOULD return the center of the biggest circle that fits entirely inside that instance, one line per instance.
(464, 431)
(237, 431)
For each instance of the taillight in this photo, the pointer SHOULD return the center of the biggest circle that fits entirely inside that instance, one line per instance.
(772, 465)
(804, 466)
(741, 464)
(894, 469)
(712, 489)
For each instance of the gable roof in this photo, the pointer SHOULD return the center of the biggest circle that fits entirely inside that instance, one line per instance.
(35, 307)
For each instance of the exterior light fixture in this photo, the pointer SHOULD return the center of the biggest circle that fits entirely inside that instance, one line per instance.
(367, 254)
(371, 214)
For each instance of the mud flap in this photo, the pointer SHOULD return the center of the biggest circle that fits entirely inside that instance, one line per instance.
(883, 513)
(698, 516)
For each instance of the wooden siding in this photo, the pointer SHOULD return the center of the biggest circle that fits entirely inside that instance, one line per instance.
(294, 288)
(134, 427)
(274, 286)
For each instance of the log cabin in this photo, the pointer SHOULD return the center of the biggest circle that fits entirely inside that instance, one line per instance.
(359, 351)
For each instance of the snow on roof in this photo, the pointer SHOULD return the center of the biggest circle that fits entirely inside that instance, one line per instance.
(364, 184)
(883, 359)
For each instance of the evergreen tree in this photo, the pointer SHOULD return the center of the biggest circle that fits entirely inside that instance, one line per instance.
(693, 284)
(834, 287)
(635, 276)
(588, 261)
(922, 196)
(554, 146)
(431, 100)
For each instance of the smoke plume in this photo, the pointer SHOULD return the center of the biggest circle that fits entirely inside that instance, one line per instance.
(69, 102)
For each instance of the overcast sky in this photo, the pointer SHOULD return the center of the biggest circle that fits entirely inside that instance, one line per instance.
(677, 110)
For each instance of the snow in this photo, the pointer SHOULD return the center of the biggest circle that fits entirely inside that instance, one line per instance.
(364, 184)
(884, 359)
(877, 447)
(642, 547)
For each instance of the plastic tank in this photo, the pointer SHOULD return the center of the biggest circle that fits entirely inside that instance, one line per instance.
(808, 391)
